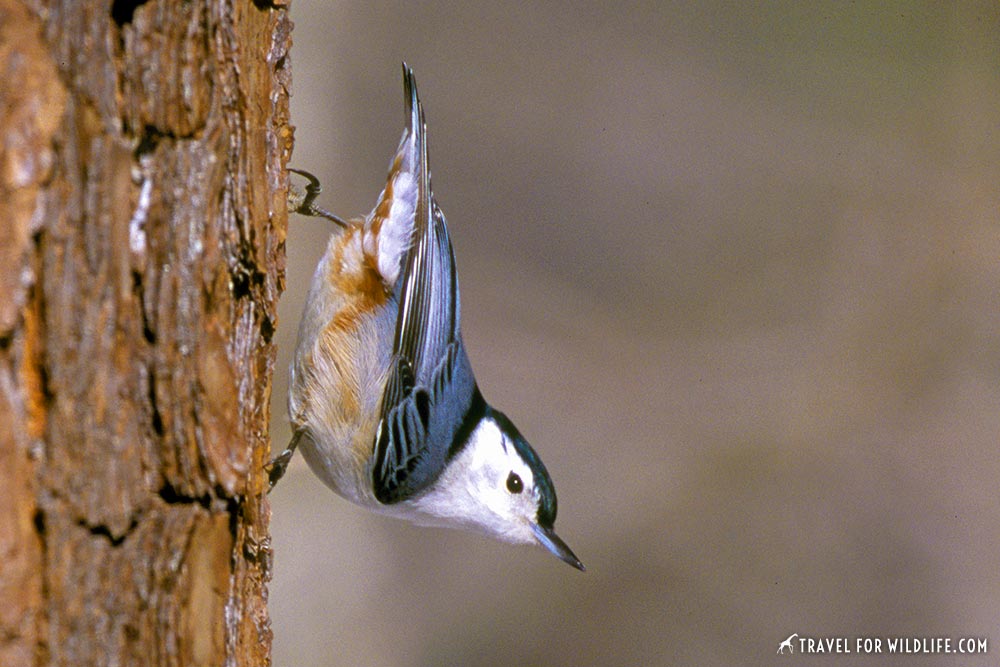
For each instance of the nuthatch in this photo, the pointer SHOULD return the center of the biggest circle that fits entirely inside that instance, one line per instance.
(383, 402)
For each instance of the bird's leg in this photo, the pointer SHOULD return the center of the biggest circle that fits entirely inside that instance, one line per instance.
(303, 201)
(279, 464)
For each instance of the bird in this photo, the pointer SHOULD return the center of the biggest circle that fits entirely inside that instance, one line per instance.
(382, 401)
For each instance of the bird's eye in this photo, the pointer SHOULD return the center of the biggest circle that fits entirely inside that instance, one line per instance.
(514, 483)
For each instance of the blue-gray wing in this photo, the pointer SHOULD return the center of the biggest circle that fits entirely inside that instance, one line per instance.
(430, 389)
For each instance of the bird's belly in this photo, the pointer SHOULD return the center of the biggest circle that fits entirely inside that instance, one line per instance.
(342, 466)
(339, 372)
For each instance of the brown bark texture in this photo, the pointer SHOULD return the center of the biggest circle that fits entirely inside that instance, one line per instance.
(142, 222)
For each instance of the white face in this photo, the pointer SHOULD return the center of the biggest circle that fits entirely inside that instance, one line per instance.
(486, 487)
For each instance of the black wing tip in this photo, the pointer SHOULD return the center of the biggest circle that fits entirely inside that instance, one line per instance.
(414, 113)
(409, 81)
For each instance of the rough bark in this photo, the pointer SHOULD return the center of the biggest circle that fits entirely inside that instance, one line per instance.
(142, 221)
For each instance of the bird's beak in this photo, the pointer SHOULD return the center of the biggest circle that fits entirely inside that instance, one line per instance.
(548, 539)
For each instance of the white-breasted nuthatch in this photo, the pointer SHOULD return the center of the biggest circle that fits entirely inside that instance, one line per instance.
(382, 398)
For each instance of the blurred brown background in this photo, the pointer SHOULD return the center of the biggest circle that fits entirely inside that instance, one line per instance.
(734, 270)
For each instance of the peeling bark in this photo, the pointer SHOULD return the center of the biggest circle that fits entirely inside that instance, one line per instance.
(142, 222)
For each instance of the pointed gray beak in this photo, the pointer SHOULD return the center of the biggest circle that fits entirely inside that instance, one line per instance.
(548, 539)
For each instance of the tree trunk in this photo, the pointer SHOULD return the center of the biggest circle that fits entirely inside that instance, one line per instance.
(142, 222)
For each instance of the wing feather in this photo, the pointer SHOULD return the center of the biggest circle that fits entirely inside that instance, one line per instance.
(430, 389)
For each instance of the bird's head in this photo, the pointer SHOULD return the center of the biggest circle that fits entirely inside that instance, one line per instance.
(495, 483)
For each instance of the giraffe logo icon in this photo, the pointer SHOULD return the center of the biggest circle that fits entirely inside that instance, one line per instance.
(788, 644)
